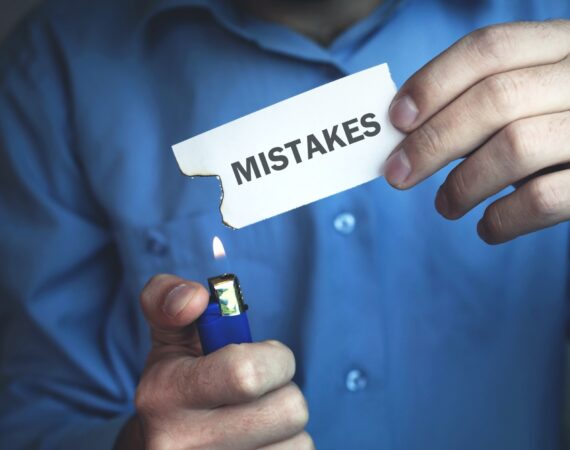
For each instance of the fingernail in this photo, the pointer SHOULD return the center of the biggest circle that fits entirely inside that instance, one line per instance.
(442, 203)
(403, 112)
(177, 299)
(397, 168)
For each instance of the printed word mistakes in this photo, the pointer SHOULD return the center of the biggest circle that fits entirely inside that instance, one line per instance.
(299, 150)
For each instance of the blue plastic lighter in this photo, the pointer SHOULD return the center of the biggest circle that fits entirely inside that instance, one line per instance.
(225, 319)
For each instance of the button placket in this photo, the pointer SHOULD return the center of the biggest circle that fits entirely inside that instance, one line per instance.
(356, 380)
(156, 243)
(345, 223)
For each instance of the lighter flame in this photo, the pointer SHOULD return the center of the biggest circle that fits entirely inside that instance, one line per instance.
(218, 248)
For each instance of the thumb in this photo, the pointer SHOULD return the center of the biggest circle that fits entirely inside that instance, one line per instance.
(171, 305)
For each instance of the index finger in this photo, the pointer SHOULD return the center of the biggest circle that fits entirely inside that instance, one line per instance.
(487, 51)
(237, 373)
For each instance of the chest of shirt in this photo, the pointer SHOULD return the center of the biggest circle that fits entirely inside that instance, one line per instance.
(193, 75)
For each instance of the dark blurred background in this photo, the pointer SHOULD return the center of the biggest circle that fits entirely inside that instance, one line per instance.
(11, 11)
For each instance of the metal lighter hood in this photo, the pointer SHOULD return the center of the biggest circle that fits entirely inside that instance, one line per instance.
(226, 291)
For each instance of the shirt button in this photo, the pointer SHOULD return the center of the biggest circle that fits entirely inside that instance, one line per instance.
(156, 243)
(356, 380)
(344, 223)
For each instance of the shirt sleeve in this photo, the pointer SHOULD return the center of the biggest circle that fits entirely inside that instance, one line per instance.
(63, 382)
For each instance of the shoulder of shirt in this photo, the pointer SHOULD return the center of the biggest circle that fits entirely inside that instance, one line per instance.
(67, 29)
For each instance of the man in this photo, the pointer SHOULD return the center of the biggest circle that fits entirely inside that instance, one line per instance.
(401, 330)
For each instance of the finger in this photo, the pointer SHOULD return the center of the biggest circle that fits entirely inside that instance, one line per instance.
(170, 304)
(302, 441)
(273, 418)
(241, 373)
(232, 375)
(521, 149)
(488, 51)
(539, 203)
(474, 117)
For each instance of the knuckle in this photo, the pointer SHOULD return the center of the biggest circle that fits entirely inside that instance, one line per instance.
(433, 84)
(489, 44)
(426, 85)
(284, 356)
(287, 358)
(544, 197)
(245, 374)
(294, 408)
(428, 140)
(520, 142)
(500, 93)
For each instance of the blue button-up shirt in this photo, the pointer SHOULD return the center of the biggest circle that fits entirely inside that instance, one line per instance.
(409, 332)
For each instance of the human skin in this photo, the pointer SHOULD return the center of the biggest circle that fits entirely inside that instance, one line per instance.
(500, 99)
(239, 397)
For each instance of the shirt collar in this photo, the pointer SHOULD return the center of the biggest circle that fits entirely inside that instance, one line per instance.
(155, 7)
(278, 38)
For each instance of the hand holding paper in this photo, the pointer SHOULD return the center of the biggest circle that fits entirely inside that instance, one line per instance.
(505, 109)
(303, 149)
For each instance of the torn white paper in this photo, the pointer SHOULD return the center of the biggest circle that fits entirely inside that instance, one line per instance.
(297, 151)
